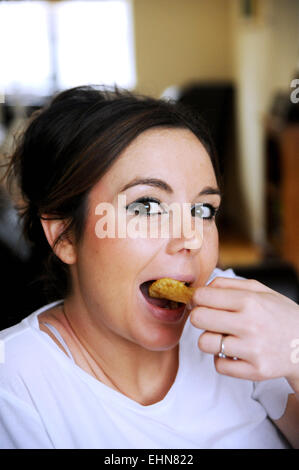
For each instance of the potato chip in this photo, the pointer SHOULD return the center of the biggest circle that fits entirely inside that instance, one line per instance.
(171, 289)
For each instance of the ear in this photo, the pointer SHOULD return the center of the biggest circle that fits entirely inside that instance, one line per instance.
(65, 248)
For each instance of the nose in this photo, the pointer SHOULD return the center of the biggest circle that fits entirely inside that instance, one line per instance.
(187, 233)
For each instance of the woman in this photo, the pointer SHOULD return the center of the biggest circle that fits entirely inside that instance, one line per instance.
(107, 366)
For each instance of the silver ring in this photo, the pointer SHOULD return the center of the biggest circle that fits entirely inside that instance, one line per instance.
(221, 353)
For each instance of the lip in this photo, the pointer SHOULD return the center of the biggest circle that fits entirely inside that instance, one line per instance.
(162, 314)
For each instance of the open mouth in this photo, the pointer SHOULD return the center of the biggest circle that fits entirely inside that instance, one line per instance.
(161, 303)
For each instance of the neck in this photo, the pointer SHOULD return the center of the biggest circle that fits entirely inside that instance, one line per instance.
(143, 375)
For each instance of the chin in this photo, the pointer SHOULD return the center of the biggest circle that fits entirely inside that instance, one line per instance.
(160, 337)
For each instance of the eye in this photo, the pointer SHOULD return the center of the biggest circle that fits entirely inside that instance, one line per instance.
(145, 206)
(204, 211)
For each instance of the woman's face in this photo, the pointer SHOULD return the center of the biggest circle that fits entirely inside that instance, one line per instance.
(109, 272)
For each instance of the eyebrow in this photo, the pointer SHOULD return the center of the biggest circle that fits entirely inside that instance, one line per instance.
(157, 183)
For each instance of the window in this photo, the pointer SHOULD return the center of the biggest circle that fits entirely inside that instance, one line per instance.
(50, 46)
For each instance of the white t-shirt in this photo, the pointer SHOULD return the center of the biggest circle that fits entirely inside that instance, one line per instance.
(47, 401)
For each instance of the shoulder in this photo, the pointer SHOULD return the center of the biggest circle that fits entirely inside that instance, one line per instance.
(18, 350)
(23, 351)
(15, 342)
(218, 272)
(19, 340)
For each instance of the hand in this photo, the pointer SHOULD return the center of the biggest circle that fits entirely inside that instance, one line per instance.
(261, 325)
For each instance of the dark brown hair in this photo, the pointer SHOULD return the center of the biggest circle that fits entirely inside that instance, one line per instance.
(69, 145)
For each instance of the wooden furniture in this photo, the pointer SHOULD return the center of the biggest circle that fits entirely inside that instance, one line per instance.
(282, 190)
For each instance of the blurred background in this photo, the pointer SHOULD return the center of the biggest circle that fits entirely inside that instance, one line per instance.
(235, 61)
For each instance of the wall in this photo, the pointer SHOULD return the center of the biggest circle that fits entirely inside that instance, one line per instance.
(265, 53)
(181, 40)
(284, 37)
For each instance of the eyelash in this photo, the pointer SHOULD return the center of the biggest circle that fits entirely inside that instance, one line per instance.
(144, 200)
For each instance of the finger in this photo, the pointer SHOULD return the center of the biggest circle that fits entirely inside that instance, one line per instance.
(243, 284)
(211, 343)
(240, 369)
(217, 321)
(220, 298)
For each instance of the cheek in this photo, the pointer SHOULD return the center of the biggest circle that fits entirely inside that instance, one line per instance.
(208, 255)
(105, 274)
(112, 262)
(211, 241)
(108, 271)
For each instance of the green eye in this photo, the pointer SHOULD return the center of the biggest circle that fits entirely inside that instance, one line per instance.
(204, 211)
(145, 206)
(149, 206)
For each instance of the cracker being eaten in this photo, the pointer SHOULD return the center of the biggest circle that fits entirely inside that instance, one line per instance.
(167, 288)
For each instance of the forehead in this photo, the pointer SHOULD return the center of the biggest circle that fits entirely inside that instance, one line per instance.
(174, 155)
(162, 149)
